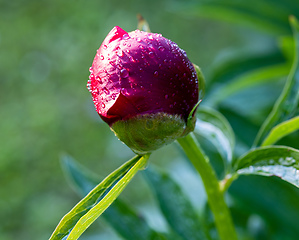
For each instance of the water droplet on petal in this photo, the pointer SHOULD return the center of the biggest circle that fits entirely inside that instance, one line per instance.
(103, 105)
(105, 47)
(99, 79)
(156, 73)
(106, 91)
(124, 91)
(161, 48)
(150, 37)
(138, 39)
(88, 85)
(101, 57)
(90, 69)
(151, 54)
(120, 53)
(126, 36)
(124, 73)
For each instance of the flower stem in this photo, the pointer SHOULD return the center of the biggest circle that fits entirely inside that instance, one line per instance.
(216, 201)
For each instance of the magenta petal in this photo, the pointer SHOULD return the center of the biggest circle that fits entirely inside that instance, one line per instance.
(138, 73)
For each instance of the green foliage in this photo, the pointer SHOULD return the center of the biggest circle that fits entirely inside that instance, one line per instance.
(286, 105)
(120, 215)
(269, 161)
(213, 126)
(46, 49)
(95, 203)
(283, 129)
(175, 206)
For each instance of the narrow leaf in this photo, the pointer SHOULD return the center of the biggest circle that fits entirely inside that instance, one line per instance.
(281, 130)
(230, 67)
(213, 126)
(286, 104)
(89, 208)
(175, 206)
(249, 79)
(128, 223)
(279, 161)
(267, 15)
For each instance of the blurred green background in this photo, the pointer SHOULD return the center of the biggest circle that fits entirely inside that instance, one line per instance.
(46, 49)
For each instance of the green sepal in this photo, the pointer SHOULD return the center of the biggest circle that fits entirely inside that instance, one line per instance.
(148, 132)
(201, 81)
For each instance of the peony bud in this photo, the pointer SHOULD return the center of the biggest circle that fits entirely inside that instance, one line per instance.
(146, 89)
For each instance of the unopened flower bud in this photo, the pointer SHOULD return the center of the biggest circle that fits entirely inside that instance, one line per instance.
(146, 89)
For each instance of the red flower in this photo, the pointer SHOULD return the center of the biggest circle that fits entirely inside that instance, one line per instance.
(140, 73)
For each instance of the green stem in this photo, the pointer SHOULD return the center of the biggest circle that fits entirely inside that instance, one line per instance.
(216, 201)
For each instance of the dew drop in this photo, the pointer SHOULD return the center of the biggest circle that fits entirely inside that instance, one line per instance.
(113, 96)
(151, 54)
(101, 57)
(129, 44)
(141, 69)
(90, 69)
(105, 47)
(88, 86)
(124, 73)
(99, 79)
(150, 37)
(103, 105)
(106, 91)
(126, 36)
(91, 76)
(120, 53)
(156, 73)
(124, 91)
(166, 96)
(138, 39)
(161, 48)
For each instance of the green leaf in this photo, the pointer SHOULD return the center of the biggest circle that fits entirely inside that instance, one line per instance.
(128, 223)
(279, 161)
(281, 130)
(175, 206)
(95, 203)
(249, 79)
(266, 15)
(270, 198)
(213, 126)
(286, 104)
(201, 81)
(231, 67)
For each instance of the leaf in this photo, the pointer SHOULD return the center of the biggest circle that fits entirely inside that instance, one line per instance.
(213, 126)
(201, 81)
(279, 161)
(247, 80)
(267, 15)
(281, 130)
(94, 204)
(270, 198)
(119, 215)
(286, 104)
(175, 206)
(231, 67)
